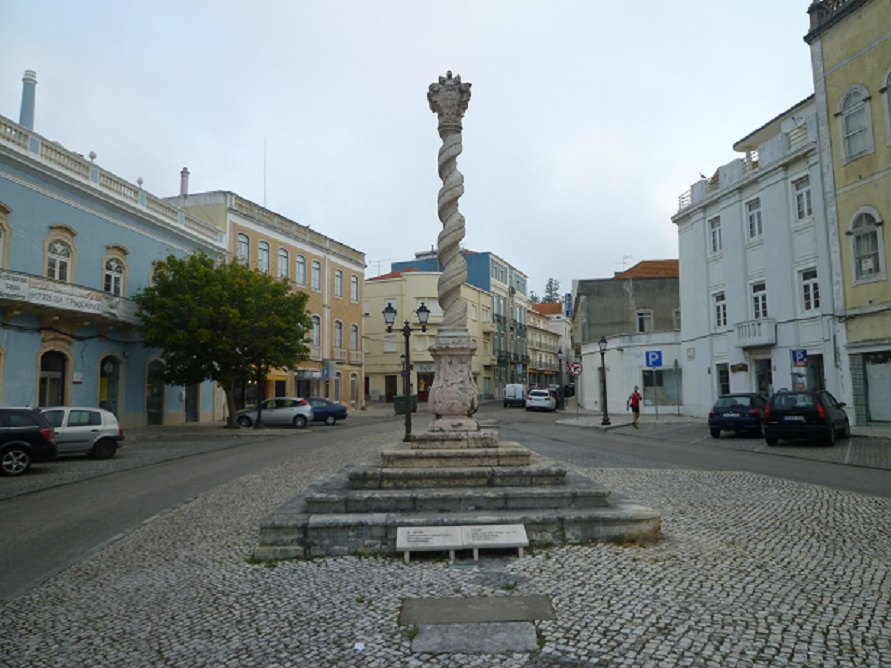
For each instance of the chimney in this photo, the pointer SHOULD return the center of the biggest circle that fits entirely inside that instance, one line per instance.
(184, 182)
(29, 85)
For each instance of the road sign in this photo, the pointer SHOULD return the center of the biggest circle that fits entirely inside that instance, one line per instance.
(575, 368)
(799, 358)
(654, 358)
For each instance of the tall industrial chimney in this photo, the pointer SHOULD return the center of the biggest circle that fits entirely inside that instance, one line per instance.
(29, 86)
(184, 182)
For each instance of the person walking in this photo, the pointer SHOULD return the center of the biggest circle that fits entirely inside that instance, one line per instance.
(633, 404)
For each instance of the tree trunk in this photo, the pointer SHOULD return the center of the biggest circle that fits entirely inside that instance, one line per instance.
(230, 408)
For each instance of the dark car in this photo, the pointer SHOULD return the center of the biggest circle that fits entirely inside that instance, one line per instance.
(813, 415)
(741, 412)
(25, 437)
(326, 411)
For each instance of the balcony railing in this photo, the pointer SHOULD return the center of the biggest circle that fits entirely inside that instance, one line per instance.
(45, 293)
(753, 333)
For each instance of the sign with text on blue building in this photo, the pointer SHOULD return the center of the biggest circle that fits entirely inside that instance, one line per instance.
(654, 358)
(799, 358)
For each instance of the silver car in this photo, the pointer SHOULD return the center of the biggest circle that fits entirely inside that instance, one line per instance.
(85, 430)
(278, 411)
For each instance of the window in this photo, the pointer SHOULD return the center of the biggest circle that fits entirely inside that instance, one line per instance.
(300, 270)
(487, 314)
(263, 258)
(676, 317)
(759, 300)
(644, 321)
(5, 235)
(243, 250)
(354, 337)
(803, 205)
(714, 230)
(338, 283)
(866, 237)
(58, 261)
(354, 288)
(810, 290)
(855, 123)
(316, 275)
(316, 331)
(338, 334)
(473, 312)
(720, 311)
(114, 276)
(753, 216)
(284, 262)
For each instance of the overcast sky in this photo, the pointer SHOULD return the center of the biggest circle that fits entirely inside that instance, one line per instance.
(587, 118)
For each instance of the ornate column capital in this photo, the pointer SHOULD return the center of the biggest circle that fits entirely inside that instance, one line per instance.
(448, 100)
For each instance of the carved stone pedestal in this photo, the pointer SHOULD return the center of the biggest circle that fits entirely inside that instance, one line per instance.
(454, 397)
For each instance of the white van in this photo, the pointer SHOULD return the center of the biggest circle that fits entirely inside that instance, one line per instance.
(514, 395)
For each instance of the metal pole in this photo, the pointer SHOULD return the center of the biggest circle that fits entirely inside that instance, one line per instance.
(406, 382)
(605, 420)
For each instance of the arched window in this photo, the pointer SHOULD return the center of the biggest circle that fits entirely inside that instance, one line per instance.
(5, 233)
(338, 283)
(354, 337)
(114, 277)
(867, 243)
(316, 275)
(855, 123)
(316, 330)
(58, 260)
(243, 251)
(338, 334)
(263, 257)
(283, 263)
(300, 270)
(354, 288)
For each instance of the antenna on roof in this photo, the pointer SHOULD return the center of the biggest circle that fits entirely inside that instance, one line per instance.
(264, 172)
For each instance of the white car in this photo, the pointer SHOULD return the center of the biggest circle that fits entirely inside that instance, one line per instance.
(278, 411)
(541, 400)
(85, 430)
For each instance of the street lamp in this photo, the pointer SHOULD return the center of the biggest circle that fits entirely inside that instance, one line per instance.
(602, 344)
(389, 318)
(561, 390)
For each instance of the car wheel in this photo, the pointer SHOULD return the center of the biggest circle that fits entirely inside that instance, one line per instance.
(104, 449)
(300, 421)
(243, 421)
(770, 441)
(846, 431)
(330, 420)
(716, 433)
(15, 460)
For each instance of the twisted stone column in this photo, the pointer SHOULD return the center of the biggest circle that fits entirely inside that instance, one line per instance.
(454, 397)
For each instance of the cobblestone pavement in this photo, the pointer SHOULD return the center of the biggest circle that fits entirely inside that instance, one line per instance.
(752, 572)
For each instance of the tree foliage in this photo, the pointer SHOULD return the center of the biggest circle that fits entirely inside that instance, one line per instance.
(221, 321)
(552, 291)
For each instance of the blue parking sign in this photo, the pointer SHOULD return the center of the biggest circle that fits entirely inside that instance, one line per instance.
(799, 358)
(654, 358)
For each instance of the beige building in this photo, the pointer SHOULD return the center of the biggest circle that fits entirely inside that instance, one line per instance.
(543, 345)
(329, 271)
(406, 290)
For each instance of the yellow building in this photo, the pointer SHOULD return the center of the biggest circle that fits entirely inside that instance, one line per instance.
(406, 290)
(850, 43)
(329, 271)
(543, 345)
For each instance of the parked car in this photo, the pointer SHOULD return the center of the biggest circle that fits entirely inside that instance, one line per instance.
(743, 412)
(569, 390)
(814, 415)
(278, 411)
(85, 431)
(514, 394)
(25, 437)
(327, 411)
(543, 400)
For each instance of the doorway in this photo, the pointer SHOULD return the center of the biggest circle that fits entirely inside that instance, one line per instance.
(154, 393)
(109, 383)
(192, 394)
(53, 367)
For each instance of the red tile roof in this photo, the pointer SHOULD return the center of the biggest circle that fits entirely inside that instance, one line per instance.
(548, 308)
(652, 269)
(393, 274)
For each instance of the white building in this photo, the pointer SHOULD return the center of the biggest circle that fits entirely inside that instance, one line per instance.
(756, 279)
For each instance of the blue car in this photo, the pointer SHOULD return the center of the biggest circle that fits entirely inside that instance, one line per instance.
(741, 413)
(326, 411)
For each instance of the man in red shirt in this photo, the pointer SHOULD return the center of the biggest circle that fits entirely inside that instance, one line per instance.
(633, 404)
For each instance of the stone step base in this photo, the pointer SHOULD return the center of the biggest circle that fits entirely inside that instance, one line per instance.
(458, 457)
(430, 478)
(583, 494)
(452, 440)
(291, 533)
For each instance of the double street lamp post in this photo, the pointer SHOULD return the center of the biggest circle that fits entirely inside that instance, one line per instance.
(389, 318)
(602, 345)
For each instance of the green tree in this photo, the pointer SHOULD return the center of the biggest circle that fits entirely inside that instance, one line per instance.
(221, 321)
(552, 291)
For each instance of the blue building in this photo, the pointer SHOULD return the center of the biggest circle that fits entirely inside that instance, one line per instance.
(76, 242)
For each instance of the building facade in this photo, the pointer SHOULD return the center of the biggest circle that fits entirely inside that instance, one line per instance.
(850, 44)
(405, 290)
(545, 354)
(76, 243)
(330, 272)
(756, 274)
